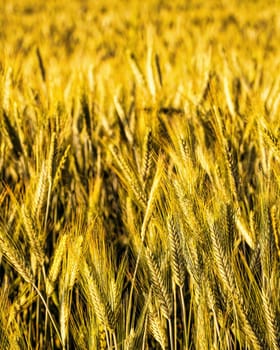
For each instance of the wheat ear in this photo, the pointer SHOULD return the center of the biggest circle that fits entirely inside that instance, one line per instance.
(147, 156)
(275, 230)
(130, 177)
(177, 264)
(64, 313)
(33, 236)
(156, 326)
(158, 285)
(14, 259)
(177, 259)
(60, 167)
(73, 261)
(223, 264)
(272, 326)
(40, 194)
(56, 264)
(98, 298)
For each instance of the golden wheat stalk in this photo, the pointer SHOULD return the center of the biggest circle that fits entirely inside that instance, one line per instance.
(274, 224)
(16, 260)
(41, 64)
(56, 264)
(156, 326)
(150, 73)
(158, 68)
(147, 156)
(86, 112)
(60, 167)
(130, 178)
(222, 260)
(247, 235)
(33, 235)
(248, 328)
(7, 89)
(136, 70)
(98, 298)
(13, 135)
(51, 158)
(73, 261)
(122, 116)
(272, 325)
(158, 285)
(40, 193)
(177, 259)
(152, 196)
(64, 317)
(202, 340)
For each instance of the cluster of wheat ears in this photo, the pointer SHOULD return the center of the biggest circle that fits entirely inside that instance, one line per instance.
(139, 190)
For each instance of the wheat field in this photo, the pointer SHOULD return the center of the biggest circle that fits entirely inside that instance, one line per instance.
(139, 175)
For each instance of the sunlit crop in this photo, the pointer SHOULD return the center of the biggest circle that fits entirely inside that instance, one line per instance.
(139, 175)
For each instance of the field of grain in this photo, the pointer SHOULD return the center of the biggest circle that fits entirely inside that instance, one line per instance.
(139, 175)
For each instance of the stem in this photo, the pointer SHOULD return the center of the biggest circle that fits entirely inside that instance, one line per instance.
(48, 311)
(170, 334)
(46, 315)
(115, 340)
(189, 322)
(48, 205)
(107, 339)
(46, 320)
(131, 291)
(38, 313)
(175, 316)
(144, 335)
(183, 314)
